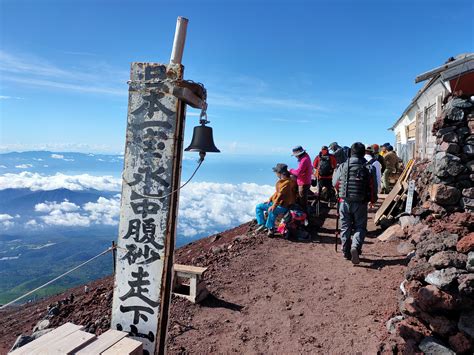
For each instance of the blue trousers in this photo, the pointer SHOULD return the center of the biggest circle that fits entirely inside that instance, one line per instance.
(262, 207)
(353, 218)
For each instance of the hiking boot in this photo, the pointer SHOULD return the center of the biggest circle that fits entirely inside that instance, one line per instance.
(270, 233)
(260, 228)
(347, 256)
(355, 256)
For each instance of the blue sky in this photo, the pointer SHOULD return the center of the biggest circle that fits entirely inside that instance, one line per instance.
(278, 73)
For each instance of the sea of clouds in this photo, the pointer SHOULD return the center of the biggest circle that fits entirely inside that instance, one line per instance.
(205, 207)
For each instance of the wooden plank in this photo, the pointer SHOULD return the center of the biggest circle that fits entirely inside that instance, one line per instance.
(387, 203)
(66, 345)
(126, 346)
(56, 334)
(189, 269)
(102, 343)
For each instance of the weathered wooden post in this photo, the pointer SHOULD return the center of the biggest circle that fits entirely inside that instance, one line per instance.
(149, 203)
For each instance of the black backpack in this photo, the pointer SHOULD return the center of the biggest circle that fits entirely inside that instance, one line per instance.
(325, 168)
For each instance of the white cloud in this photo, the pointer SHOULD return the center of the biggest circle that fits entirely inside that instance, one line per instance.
(6, 221)
(35, 181)
(3, 166)
(64, 206)
(66, 219)
(64, 147)
(23, 166)
(57, 156)
(3, 97)
(104, 211)
(30, 70)
(207, 208)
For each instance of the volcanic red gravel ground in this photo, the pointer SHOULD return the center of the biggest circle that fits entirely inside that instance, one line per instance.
(267, 296)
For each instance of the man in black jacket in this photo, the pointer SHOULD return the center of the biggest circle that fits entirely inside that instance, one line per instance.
(355, 182)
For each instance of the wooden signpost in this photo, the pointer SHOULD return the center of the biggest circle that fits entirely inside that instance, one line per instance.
(149, 203)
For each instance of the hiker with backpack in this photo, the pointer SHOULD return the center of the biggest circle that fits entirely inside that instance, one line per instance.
(379, 157)
(339, 153)
(355, 181)
(303, 174)
(375, 164)
(324, 165)
(284, 197)
(391, 167)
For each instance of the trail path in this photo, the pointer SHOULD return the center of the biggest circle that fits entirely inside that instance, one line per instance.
(289, 297)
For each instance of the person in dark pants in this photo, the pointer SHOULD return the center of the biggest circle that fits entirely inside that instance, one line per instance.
(355, 181)
(303, 175)
(324, 165)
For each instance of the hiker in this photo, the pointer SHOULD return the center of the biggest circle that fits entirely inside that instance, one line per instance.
(324, 165)
(355, 181)
(284, 196)
(380, 158)
(373, 161)
(383, 149)
(339, 153)
(303, 175)
(391, 167)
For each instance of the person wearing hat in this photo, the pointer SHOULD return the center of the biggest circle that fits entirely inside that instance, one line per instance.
(355, 182)
(380, 158)
(375, 164)
(303, 174)
(338, 152)
(284, 196)
(324, 165)
(383, 149)
(391, 167)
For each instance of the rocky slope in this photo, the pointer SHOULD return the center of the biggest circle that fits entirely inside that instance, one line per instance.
(267, 295)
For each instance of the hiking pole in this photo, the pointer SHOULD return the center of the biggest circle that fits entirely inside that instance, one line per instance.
(319, 196)
(337, 224)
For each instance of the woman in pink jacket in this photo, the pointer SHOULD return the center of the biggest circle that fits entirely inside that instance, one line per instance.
(303, 175)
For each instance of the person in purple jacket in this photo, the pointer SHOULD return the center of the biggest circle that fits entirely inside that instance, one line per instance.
(303, 174)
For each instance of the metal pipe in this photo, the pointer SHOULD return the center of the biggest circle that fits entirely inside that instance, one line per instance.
(179, 39)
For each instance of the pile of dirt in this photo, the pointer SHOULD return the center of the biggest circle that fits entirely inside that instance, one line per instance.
(266, 295)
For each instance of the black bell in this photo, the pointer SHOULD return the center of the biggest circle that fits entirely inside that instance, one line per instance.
(203, 140)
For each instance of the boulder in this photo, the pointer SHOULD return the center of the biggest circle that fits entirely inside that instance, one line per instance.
(20, 341)
(40, 333)
(459, 343)
(433, 346)
(411, 288)
(430, 298)
(469, 192)
(443, 131)
(446, 147)
(436, 242)
(391, 233)
(419, 271)
(444, 278)
(444, 195)
(468, 149)
(406, 221)
(466, 284)
(470, 262)
(470, 165)
(412, 328)
(42, 324)
(408, 306)
(446, 165)
(466, 244)
(467, 203)
(391, 324)
(450, 137)
(447, 258)
(466, 323)
(439, 324)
